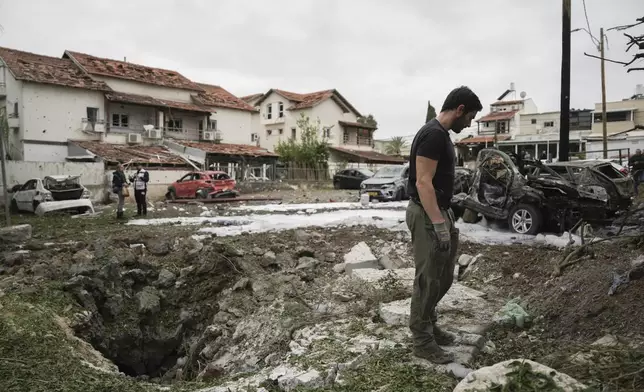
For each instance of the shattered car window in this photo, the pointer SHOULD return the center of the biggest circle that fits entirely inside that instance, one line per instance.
(388, 172)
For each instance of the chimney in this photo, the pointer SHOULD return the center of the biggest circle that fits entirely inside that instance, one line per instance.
(512, 86)
(639, 90)
(124, 59)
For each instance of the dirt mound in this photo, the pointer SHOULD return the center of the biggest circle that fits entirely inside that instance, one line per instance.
(575, 306)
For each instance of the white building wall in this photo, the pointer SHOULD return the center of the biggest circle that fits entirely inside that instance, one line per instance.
(236, 126)
(14, 94)
(53, 114)
(160, 92)
(329, 114)
(286, 123)
(528, 128)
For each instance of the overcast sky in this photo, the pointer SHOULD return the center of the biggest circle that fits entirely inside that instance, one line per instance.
(387, 58)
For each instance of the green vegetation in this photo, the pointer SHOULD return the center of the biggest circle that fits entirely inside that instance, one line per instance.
(431, 112)
(395, 145)
(310, 150)
(369, 120)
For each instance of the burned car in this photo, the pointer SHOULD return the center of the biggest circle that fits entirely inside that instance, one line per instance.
(529, 204)
(52, 193)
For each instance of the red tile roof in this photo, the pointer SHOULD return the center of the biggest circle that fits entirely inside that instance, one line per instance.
(35, 68)
(482, 139)
(146, 100)
(217, 96)
(138, 73)
(123, 153)
(369, 156)
(228, 149)
(501, 103)
(252, 97)
(356, 125)
(305, 101)
(494, 116)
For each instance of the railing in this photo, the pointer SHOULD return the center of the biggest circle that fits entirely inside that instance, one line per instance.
(622, 154)
(358, 141)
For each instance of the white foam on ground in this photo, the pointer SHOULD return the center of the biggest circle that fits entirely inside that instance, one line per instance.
(381, 218)
(321, 206)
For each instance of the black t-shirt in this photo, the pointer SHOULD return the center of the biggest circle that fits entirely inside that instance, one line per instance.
(432, 141)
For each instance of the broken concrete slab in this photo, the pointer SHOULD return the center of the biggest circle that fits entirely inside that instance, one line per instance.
(359, 257)
(472, 265)
(485, 378)
(15, 234)
(462, 309)
(371, 275)
(464, 260)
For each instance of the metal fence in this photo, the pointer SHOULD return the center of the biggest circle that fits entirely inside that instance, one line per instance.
(622, 154)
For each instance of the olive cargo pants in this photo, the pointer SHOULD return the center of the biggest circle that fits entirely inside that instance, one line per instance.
(434, 271)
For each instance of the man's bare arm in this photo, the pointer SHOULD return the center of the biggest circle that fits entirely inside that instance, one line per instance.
(425, 171)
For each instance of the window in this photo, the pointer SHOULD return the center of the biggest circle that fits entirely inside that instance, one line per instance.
(293, 133)
(269, 111)
(280, 131)
(500, 127)
(15, 109)
(281, 110)
(254, 137)
(201, 125)
(624, 115)
(92, 115)
(548, 124)
(175, 125)
(269, 132)
(213, 125)
(533, 121)
(120, 120)
(29, 185)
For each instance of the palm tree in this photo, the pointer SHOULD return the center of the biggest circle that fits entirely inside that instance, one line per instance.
(396, 145)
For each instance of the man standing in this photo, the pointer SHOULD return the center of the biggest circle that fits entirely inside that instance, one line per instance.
(636, 162)
(431, 221)
(140, 180)
(119, 183)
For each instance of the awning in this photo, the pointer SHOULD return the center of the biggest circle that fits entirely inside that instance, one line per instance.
(146, 100)
(482, 139)
(368, 156)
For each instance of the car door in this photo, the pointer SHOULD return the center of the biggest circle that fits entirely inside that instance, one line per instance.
(25, 196)
(342, 178)
(223, 181)
(354, 178)
(182, 186)
(494, 177)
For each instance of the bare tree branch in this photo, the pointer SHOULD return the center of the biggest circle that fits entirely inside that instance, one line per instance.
(605, 59)
(634, 69)
(626, 27)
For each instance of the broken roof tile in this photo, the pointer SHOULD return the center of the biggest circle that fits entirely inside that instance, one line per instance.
(130, 71)
(252, 97)
(494, 116)
(113, 153)
(36, 68)
(228, 149)
(146, 100)
(217, 96)
(369, 156)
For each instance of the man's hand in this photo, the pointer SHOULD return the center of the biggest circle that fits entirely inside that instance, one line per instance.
(443, 235)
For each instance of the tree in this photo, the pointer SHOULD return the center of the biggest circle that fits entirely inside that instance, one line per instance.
(369, 120)
(395, 146)
(311, 150)
(633, 41)
(431, 112)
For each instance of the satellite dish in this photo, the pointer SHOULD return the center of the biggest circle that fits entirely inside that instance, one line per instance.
(523, 94)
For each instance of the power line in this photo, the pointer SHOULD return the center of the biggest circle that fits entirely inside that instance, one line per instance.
(592, 37)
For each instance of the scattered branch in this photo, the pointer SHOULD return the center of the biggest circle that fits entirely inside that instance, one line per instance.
(605, 59)
(634, 69)
(626, 27)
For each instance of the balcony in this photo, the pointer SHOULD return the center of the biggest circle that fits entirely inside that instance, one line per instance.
(93, 126)
(275, 119)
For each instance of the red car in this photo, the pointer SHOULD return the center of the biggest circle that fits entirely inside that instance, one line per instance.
(202, 185)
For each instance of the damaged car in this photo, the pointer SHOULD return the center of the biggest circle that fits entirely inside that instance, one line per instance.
(389, 183)
(203, 185)
(528, 203)
(52, 194)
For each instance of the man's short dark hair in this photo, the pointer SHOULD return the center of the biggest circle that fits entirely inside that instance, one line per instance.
(462, 96)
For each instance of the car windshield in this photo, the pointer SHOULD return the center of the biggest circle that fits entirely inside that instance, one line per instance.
(388, 172)
(366, 172)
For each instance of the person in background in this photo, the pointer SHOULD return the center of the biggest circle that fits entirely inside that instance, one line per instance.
(430, 219)
(140, 180)
(636, 163)
(119, 182)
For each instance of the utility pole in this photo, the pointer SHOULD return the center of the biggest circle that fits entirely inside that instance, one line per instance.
(604, 126)
(3, 157)
(564, 120)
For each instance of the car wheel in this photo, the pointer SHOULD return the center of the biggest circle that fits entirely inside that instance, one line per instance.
(400, 193)
(14, 206)
(35, 204)
(336, 184)
(525, 219)
(171, 195)
(201, 194)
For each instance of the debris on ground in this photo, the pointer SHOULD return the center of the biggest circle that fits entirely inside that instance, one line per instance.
(512, 313)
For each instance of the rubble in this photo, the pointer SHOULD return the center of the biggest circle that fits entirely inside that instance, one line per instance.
(360, 256)
(534, 376)
(15, 234)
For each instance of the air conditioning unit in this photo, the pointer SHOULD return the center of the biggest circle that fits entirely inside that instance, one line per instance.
(210, 135)
(133, 138)
(218, 135)
(153, 134)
